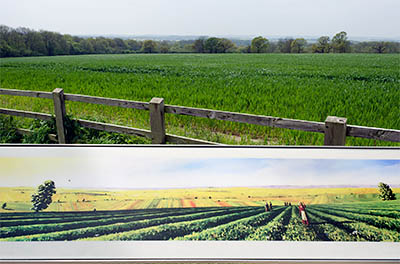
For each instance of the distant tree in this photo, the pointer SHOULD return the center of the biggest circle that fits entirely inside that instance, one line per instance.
(392, 47)
(149, 46)
(134, 45)
(101, 46)
(43, 198)
(5, 49)
(385, 192)
(375, 47)
(87, 46)
(12, 42)
(210, 45)
(259, 45)
(51, 43)
(272, 47)
(164, 46)
(380, 47)
(120, 45)
(187, 48)
(4, 206)
(219, 45)
(285, 45)
(225, 45)
(340, 44)
(244, 49)
(75, 48)
(198, 45)
(35, 43)
(298, 45)
(322, 45)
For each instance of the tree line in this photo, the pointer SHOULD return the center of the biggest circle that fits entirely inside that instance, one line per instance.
(22, 41)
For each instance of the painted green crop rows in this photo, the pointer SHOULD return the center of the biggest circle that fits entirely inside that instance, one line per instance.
(365, 88)
(326, 223)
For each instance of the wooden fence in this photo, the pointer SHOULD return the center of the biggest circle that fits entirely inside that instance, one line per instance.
(335, 129)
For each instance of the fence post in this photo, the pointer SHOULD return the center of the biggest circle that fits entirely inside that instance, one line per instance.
(157, 120)
(335, 131)
(59, 110)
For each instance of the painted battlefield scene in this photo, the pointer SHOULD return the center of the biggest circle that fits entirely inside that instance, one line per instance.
(121, 198)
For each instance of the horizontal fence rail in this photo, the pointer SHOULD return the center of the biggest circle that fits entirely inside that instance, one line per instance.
(270, 121)
(106, 101)
(373, 133)
(335, 128)
(27, 114)
(114, 128)
(47, 95)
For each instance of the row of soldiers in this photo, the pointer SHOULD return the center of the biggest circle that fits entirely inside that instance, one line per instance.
(302, 210)
(268, 206)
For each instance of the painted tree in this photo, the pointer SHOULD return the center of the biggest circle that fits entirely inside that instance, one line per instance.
(385, 192)
(43, 198)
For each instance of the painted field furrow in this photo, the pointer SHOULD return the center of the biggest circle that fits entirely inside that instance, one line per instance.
(24, 230)
(65, 215)
(382, 213)
(59, 220)
(48, 218)
(387, 205)
(36, 221)
(236, 230)
(274, 229)
(297, 231)
(170, 231)
(360, 231)
(378, 221)
(328, 231)
(81, 216)
(115, 228)
(360, 210)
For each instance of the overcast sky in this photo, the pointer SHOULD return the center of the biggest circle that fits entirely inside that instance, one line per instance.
(90, 168)
(367, 18)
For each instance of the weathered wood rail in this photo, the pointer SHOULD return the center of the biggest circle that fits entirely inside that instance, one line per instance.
(335, 129)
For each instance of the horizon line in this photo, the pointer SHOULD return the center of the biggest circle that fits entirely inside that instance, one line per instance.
(285, 186)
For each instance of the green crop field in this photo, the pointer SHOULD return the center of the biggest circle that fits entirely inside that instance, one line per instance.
(363, 221)
(365, 88)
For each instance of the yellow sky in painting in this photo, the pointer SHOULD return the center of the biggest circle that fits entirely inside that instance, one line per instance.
(30, 171)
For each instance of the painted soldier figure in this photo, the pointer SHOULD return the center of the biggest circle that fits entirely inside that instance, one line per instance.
(303, 215)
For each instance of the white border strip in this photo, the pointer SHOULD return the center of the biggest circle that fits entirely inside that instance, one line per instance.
(229, 250)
